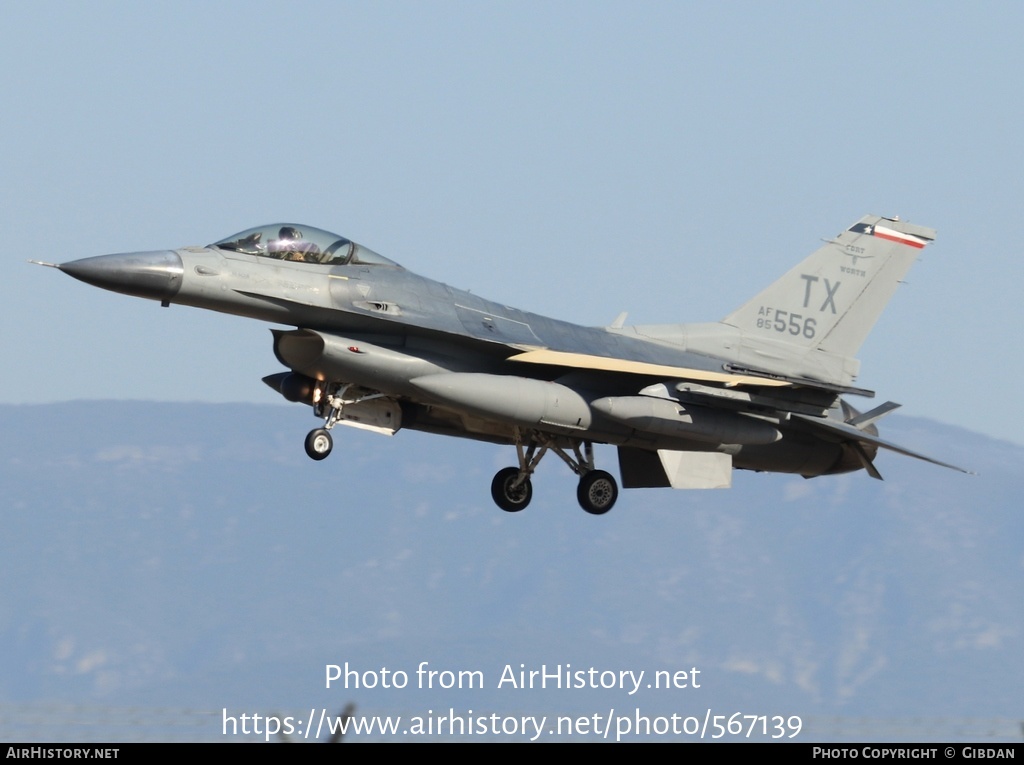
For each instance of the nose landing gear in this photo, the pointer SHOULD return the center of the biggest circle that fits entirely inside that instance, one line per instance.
(349, 405)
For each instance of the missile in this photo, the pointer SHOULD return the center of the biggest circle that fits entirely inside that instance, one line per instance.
(672, 418)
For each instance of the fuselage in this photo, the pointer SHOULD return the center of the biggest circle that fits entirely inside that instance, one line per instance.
(450, 357)
(375, 346)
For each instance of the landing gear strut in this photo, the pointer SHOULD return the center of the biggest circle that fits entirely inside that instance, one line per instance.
(329, 403)
(512, 490)
(328, 406)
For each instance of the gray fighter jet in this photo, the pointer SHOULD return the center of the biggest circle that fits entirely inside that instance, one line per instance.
(375, 346)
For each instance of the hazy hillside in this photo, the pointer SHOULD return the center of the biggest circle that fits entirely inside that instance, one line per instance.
(191, 555)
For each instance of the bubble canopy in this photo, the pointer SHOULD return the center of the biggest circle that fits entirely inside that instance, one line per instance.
(301, 244)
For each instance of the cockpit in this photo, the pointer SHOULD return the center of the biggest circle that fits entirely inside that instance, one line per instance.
(302, 244)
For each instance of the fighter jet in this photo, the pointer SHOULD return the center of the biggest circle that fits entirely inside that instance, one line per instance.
(375, 346)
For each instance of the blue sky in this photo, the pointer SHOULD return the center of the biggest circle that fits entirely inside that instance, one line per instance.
(573, 159)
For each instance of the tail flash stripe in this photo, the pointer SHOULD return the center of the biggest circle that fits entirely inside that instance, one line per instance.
(887, 233)
(897, 236)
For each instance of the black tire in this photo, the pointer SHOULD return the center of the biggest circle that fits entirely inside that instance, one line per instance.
(597, 492)
(319, 444)
(508, 499)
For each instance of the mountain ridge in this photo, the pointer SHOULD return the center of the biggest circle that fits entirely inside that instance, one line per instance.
(191, 554)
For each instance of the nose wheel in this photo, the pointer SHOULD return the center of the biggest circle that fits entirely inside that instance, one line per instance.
(319, 444)
(328, 402)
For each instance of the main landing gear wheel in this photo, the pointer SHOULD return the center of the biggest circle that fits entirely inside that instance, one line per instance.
(319, 444)
(597, 492)
(508, 497)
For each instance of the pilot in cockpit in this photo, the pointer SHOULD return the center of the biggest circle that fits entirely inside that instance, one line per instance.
(290, 246)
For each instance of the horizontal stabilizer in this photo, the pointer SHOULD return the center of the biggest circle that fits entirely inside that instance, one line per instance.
(845, 432)
(870, 418)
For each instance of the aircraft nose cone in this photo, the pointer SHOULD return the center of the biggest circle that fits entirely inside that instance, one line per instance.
(155, 275)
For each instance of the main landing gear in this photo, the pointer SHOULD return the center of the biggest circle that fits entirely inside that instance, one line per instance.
(512, 490)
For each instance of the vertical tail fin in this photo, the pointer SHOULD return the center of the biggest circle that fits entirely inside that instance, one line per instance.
(831, 300)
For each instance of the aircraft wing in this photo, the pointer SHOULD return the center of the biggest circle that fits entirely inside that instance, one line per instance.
(607, 364)
(731, 377)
